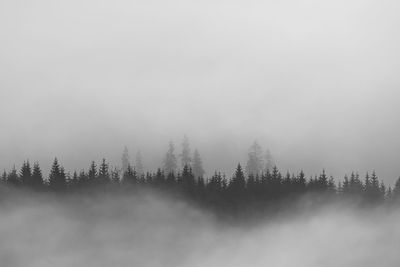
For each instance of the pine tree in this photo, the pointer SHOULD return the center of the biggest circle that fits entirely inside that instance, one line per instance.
(255, 162)
(37, 177)
(104, 174)
(187, 179)
(26, 174)
(138, 164)
(237, 184)
(75, 180)
(269, 161)
(198, 170)
(170, 164)
(92, 174)
(57, 178)
(323, 181)
(125, 160)
(185, 155)
(12, 177)
(130, 176)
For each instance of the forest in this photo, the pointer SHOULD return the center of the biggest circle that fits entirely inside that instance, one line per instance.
(255, 188)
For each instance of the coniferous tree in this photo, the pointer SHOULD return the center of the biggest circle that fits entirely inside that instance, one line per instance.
(104, 174)
(255, 162)
(187, 180)
(373, 191)
(125, 160)
(185, 155)
(237, 184)
(75, 180)
(92, 174)
(269, 161)
(139, 164)
(57, 178)
(130, 176)
(331, 186)
(170, 163)
(26, 174)
(37, 176)
(12, 177)
(301, 182)
(198, 170)
(323, 181)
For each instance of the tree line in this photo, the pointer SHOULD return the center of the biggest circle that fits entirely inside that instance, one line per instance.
(254, 187)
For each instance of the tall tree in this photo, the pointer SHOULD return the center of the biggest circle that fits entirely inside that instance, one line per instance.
(255, 161)
(237, 184)
(170, 162)
(269, 160)
(139, 164)
(104, 174)
(37, 176)
(26, 174)
(92, 174)
(185, 155)
(197, 169)
(57, 178)
(125, 160)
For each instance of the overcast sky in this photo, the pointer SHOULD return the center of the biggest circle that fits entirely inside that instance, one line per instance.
(315, 81)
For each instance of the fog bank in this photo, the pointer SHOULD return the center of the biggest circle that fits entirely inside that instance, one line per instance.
(153, 230)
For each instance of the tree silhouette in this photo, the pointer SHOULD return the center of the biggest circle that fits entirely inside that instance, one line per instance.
(26, 174)
(12, 177)
(125, 160)
(139, 164)
(37, 176)
(170, 164)
(57, 177)
(198, 170)
(255, 162)
(104, 174)
(185, 155)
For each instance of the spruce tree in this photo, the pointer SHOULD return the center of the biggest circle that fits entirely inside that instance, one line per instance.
(130, 176)
(139, 164)
(125, 160)
(255, 162)
(198, 170)
(57, 177)
(170, 163)
(26, 174)
(12, 177)
(185, 155)
(37, 177)
(104, 174)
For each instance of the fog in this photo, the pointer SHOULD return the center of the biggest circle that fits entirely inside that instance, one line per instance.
(315, 81)
(147, 229)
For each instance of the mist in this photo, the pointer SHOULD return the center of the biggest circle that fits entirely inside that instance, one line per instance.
(313, 81)
(152, 229)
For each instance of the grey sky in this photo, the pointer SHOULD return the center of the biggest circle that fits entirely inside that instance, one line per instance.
(316, 81)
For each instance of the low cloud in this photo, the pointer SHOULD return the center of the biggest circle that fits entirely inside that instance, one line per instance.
(146, 229)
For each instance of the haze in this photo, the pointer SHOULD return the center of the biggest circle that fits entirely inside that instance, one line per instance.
(151, 230)
(315, 81)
